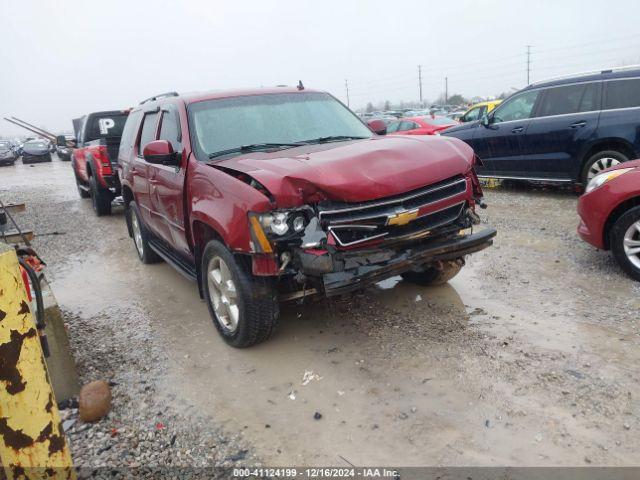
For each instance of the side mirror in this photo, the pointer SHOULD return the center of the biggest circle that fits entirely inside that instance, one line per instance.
(160, 152)
(378, 126)
(485, 121)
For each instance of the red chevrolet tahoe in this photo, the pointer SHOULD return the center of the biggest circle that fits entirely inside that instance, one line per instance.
(269, 195)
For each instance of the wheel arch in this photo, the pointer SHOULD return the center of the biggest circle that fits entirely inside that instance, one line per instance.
(202, 233)
(615, 215)
(616, 144)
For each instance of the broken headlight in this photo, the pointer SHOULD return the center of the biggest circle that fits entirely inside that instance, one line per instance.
(282, 222)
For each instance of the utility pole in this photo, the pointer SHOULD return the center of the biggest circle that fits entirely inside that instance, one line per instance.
(420, 82)
(346, 86)
(528, 64)
(446, 89)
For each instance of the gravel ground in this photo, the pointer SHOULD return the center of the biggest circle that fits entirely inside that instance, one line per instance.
(142, 431)
(526, 358)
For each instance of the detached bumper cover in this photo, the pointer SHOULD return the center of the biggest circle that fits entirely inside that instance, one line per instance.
(365, 269)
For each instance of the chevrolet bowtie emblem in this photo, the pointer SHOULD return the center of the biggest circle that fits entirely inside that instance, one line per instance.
(402, 218)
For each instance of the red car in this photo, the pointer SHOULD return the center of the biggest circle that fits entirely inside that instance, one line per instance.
(428, 125)
(610, 214)
(268, 195)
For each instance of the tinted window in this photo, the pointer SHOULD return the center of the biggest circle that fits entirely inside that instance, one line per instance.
(169, 129)
(104, 126)
(148, 130)
(471, 115)
(393, 127)
(568, 99)
(590, 98)
(518, 107)
(622, 94)
(129, 134)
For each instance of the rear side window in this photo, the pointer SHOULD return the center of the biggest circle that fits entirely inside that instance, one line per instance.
(393, 127)
(622, 94)
(404, 126)
(148, 130)
(569, 99)
(129, 134)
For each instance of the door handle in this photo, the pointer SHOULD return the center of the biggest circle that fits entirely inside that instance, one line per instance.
(578, 124)
(517, 130)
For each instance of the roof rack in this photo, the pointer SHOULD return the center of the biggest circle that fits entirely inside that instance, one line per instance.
(592, 72)
(159, 96)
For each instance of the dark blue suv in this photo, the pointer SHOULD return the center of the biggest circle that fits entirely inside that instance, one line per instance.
(563, 130)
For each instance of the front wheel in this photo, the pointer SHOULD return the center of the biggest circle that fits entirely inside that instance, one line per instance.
(100, 197)
(244, 308)
(437, 274)
(625, 242)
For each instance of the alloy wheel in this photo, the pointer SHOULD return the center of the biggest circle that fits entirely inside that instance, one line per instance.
(137, 234)
(631, 244)
(600, 165)
(223, 294)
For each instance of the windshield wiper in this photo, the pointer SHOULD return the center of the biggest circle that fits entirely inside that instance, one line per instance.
(332, 138)
(254, 147)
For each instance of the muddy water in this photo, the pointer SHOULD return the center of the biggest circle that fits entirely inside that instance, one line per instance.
(529, 356)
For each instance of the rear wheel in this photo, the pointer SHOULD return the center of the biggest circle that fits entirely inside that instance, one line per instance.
(625, 242)
(140, 236)
(100, 197)
(436, 274)
(599, 162)
(244, 308)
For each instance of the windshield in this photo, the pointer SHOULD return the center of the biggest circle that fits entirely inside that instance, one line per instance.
(36, 144)
(280, 118)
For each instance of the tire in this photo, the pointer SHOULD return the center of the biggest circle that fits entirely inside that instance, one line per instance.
(100, 197)
(598, 162)
(435, 274)
(140, 236)
(255, 305)
(626, 230)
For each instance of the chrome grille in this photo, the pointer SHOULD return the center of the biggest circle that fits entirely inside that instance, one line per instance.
(351, 224)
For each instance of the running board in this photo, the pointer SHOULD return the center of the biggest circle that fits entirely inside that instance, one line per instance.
(174, 260)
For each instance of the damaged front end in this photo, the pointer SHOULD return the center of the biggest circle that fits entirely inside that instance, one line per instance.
(335, 247)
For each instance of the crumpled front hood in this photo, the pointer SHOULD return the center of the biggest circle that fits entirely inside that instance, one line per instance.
(354, 171)
(34, 150)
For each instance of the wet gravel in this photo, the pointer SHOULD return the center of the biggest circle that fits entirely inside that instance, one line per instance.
(542, 333)
(143, 430)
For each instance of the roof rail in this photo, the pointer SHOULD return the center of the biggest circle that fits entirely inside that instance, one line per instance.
(159, 96)
(592, 72)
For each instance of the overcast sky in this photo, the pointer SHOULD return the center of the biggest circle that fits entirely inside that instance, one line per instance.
(62, 59)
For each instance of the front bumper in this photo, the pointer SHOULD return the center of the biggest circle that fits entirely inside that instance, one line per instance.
(344, 272)
(29, 158)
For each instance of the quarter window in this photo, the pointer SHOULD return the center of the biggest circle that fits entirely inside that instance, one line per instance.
(129, 133)
(622, 94)
(148, 130)
(516, 108)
